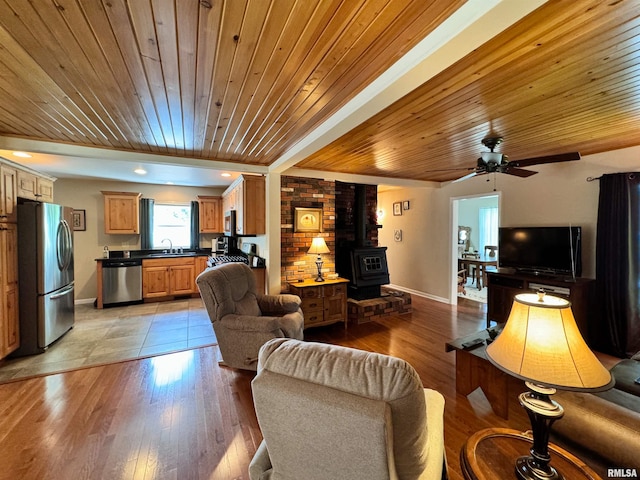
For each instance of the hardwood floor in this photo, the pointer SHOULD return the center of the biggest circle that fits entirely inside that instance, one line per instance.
(181, 416)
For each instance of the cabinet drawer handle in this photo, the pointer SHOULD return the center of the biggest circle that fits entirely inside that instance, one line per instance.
(313, 305)
(313, 319)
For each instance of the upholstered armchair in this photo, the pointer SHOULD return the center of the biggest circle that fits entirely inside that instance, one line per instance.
(243, 319)
(331, 412)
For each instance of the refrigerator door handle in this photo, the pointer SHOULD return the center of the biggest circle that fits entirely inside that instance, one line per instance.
(64, 245)
(63, 293)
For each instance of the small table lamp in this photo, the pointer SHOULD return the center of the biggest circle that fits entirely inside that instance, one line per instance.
(541, 344)
(318, 246)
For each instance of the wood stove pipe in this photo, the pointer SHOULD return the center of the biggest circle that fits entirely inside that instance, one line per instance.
(361, 216)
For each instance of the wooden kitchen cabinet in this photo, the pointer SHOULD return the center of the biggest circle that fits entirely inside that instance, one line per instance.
(9, 318)
(162, 277)
(44, 187)
(201, 265)
(323, 303)
(210, 214)
(121, 212)
(182, 279)
(246, 195)
(34, 187)
(8, 194)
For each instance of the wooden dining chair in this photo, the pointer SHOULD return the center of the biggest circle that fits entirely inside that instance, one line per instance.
(471, 269)
(462, 280)
(490, 251)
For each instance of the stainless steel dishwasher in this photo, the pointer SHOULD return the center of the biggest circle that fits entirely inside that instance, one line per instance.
(121, 281)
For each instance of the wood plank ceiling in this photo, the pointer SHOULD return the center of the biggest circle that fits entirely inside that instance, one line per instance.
(244, 80)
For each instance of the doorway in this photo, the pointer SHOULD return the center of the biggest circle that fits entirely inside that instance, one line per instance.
(477, 218)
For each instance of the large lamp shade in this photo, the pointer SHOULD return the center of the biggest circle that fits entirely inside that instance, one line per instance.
(542, 343)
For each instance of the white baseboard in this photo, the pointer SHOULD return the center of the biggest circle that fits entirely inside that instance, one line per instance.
(418, 293)
(81, 301)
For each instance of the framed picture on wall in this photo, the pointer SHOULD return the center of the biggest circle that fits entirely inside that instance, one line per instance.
(79, 220)
(397, 208)
(307, 220)
(405, 205)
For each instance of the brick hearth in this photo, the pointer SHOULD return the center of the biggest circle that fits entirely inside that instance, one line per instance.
(392, 301)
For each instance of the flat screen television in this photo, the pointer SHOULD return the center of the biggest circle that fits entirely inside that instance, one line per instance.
(555, 251)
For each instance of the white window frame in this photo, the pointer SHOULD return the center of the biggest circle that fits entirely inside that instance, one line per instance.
(162, 232)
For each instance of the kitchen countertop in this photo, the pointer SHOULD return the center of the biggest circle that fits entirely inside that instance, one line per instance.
(117, 256)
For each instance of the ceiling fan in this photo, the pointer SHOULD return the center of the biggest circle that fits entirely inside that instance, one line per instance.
(496, 162)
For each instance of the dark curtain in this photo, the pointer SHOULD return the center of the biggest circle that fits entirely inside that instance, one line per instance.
(146, 223)
(617, 330)
(195, 225)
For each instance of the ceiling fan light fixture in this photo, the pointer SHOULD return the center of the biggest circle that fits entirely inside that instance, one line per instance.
(491, 158)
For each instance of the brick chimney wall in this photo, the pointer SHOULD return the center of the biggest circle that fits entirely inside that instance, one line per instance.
(307, 193)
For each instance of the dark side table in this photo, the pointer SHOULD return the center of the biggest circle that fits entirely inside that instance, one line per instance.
(491, 454)
(474, 370)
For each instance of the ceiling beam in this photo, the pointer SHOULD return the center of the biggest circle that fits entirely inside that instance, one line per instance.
(362, 179)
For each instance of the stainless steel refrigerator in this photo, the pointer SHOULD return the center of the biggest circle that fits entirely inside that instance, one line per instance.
(46, 291)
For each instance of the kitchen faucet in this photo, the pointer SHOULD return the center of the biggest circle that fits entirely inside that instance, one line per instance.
(170, 244)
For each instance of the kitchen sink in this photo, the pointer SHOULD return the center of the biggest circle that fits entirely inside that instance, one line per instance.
(169, 255)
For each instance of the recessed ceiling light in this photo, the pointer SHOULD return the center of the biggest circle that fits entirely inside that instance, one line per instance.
(169, 183)
(22, 154)
(140, 171)
(225, 174)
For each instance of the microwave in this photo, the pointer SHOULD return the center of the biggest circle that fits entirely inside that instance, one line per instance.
(230, 222)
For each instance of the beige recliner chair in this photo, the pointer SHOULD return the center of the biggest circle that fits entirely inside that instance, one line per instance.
(243, 320)
(330, 412)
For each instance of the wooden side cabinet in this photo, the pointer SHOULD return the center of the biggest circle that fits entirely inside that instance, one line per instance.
(210, 214)
(121, 212)
(323, 303)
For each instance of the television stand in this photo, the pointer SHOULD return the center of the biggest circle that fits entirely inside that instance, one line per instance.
(503, 286)
(544, 275)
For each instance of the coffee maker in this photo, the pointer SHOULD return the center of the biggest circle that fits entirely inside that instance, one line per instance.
(218, 245)
(225, 245)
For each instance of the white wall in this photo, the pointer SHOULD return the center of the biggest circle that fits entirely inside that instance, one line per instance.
(85, 194)
(558, 195)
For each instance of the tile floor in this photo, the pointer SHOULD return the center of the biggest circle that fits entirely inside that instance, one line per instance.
(119, 333)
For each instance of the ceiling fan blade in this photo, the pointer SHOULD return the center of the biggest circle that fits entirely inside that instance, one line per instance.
(561, 157)
(469, 175)
(519, 172)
